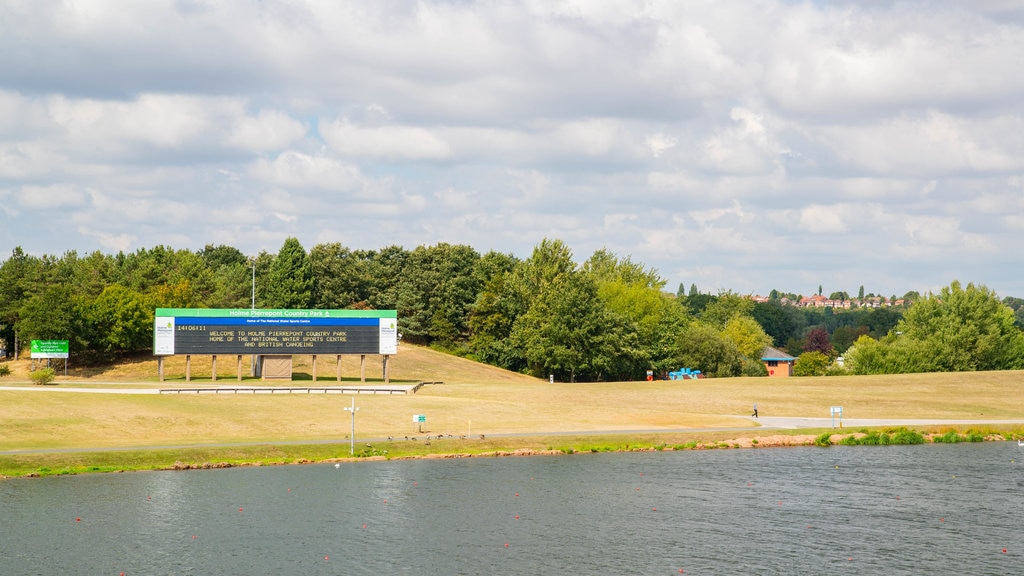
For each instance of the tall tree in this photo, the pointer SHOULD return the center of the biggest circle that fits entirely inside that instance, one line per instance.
(963, 328)
(290, 283)
(568, 332)
(702, 347)
(340, 277)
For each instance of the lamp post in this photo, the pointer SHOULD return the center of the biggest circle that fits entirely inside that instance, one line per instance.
(352, 437)
(252, 263)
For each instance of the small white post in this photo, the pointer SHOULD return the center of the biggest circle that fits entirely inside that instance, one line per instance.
(352, 437)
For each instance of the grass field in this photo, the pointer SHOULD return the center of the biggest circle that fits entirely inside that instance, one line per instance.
(473, 400)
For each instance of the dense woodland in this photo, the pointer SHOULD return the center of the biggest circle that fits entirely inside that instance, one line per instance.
(607, 318)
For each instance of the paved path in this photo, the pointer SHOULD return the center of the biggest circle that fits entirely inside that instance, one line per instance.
(790, 423)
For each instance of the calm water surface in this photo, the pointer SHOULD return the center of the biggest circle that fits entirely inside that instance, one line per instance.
(934, 509)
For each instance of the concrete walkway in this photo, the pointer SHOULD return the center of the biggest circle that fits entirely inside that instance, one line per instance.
(790, 423)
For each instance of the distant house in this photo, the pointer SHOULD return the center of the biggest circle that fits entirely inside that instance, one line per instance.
(778, 363)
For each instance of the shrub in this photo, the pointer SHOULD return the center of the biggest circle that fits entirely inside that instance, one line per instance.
(823, 439)
(950, 437)
(43, 376)
(905, 436)
(811, 364)
(5, 370)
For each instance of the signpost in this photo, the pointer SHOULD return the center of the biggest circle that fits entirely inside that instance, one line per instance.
(419, 419)
(352, 437)
(837, 411)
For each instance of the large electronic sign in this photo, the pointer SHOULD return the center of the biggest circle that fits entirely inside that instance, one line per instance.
(252, 331)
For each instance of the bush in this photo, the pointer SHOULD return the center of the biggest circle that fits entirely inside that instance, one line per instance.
(950, 437)
(904, 436)
(823, 439)
(811, 364)
(43, 376)
(5, 370)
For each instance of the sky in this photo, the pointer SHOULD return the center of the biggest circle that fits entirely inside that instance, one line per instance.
(743, 145)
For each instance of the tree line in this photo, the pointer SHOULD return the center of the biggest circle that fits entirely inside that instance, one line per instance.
(607, 318)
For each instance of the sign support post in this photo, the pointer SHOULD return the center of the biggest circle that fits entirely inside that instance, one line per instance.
(352, 437)
(837, 411)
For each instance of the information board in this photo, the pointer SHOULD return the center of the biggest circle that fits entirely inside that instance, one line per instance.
(247, 331)
(49, 349)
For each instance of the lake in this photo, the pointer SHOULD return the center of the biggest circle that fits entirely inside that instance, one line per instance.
(931, 509)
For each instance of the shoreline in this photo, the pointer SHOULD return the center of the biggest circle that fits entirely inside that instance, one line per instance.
(207, 459)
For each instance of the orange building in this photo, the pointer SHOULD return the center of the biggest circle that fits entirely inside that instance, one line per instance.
(778, 363)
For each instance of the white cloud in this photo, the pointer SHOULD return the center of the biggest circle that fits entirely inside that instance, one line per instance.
(54, 196)
(389, 142)
(297, 170)
(658, 143)
(819, 219)
(270, 130)
(696, 135)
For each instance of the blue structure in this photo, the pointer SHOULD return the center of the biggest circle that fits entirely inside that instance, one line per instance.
(684, 374)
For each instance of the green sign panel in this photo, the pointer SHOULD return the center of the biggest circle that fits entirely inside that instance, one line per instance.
(49, 348)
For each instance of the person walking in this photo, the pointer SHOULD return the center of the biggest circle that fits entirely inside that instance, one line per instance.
(755, 410)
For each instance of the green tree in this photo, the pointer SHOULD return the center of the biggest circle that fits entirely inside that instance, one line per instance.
(727, 306)
(961, 329)
(120, 320)
(703, 348)
(811, 364)
(776, 320)
(290, 282)
(437, 292)
(845, 336)
(747, 335)
(568, 332)
(52, 314)
(20, 277)
(340, 277)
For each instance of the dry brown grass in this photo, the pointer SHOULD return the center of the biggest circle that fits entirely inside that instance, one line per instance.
(473, 399)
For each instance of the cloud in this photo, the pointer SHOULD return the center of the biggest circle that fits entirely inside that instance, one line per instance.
(695, 136)
(293, 169)
(818, 219)
(389, 142)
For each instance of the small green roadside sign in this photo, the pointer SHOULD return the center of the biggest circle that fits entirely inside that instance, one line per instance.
(49, 349)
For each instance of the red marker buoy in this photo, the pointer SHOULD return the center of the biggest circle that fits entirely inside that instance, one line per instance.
(517, 516)
(1004, 550)
(506, 544)
(364, 526)
(327, 557)
(78, 519)
(239, 509)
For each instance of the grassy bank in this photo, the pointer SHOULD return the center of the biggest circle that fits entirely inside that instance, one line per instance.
(39, 464)
(127, 431)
